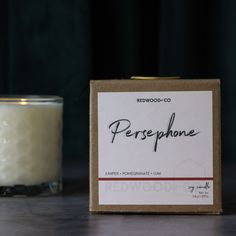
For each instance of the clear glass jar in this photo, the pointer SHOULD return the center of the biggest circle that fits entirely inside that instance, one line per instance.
(30, 145)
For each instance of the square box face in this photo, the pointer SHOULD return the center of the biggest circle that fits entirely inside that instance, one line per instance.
(155, 146)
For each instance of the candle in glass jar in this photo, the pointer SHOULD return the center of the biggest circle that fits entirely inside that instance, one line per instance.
(30, 144)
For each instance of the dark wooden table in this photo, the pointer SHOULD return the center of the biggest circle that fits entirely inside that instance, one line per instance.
(67, 214)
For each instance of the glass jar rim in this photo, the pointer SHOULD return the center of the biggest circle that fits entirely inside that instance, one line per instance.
(30, 99)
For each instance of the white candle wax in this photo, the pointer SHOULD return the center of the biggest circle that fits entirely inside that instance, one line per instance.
(30, 142)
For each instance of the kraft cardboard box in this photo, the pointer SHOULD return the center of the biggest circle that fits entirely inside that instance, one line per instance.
(155, 146)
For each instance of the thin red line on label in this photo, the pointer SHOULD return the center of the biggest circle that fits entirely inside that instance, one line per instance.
(158, 179)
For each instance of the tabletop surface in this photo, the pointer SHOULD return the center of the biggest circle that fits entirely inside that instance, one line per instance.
(67, 214)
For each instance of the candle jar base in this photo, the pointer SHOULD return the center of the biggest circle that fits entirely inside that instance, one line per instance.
(44, 189)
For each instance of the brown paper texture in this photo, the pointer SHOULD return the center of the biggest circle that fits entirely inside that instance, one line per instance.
(155, 85)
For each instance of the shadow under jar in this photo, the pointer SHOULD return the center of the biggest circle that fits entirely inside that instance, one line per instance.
(30, 145)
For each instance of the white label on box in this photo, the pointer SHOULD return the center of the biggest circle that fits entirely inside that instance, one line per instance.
(155, 148)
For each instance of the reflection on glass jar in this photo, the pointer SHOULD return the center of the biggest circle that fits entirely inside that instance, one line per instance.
(30, 145)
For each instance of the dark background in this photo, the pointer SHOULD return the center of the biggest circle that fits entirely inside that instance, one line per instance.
(56, 46)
